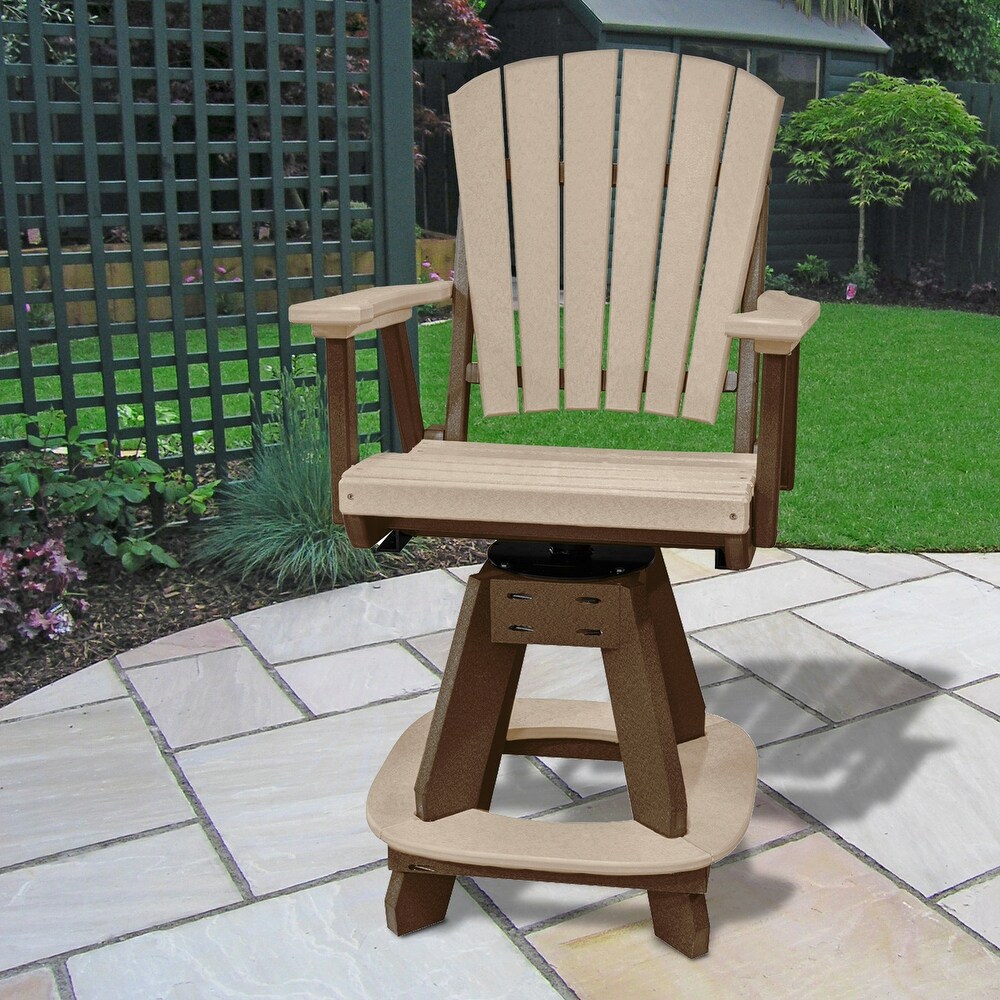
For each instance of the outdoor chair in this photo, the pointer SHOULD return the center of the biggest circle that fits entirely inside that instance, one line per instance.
(672, 187)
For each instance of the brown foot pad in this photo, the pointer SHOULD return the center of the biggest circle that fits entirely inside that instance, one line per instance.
(415, 900)
(681, 920)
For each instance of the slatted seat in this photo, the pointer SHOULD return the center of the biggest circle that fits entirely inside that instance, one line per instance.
(659, 166)
(592, 488)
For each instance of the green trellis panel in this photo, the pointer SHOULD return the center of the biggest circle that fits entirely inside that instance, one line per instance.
(160, 197)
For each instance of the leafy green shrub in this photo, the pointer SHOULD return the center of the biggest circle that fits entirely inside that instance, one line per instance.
(813, 270)
(89, 496)
(778, 282)
(279, 520)
(864, 275)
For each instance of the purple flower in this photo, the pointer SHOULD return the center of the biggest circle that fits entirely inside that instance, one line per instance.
(189, 279)
(426, 263)
(435, 276)
(451, 274)
(220, 269)
(27, 307)
(852, 290)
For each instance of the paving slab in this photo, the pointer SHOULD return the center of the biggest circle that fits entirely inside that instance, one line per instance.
(985, 565)
(90, 897)
(329, 941)
(911, 787)
(358, 615)
(734, 596)
(197, 639)
(804, 920)
(978, 907)
(211, 695)
(80, 777)
(95, 683)
(986, 694)
(872, 569)
(339, 681)
(290, 803)
(943, 628)
(39, 984)
(824, 672)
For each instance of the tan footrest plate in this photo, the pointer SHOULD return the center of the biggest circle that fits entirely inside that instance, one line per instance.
(720, 778)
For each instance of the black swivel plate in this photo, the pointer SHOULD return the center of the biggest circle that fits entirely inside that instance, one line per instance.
(566, 561)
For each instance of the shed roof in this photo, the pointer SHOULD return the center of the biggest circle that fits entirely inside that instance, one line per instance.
(749, 20)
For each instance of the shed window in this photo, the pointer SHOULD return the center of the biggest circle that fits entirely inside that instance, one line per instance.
(735, 55)
(794, 75)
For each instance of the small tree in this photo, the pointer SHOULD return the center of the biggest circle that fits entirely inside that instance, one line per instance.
(885, 134)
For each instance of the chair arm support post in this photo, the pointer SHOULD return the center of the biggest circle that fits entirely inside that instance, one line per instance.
(789, 431)
(342, 407)
(403, 385)
(770, 450)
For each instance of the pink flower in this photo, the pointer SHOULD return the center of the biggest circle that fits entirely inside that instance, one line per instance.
(219, 269)
(451, 275)
(435, 276)
(27, 307)
(190, 278)
(852, 290)
(426, 263)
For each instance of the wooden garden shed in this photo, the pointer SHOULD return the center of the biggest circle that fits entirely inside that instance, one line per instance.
(801, 57)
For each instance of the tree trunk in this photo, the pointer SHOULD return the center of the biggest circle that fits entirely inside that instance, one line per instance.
(861, 236)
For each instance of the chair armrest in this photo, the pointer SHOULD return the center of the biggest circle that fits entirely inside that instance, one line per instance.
(340, 317)
(778, 323)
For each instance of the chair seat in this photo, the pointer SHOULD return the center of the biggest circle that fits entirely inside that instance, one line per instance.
(541, 484)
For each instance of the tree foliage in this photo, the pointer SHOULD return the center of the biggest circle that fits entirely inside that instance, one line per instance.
(945, 39)
(885, 134)
(840, 10)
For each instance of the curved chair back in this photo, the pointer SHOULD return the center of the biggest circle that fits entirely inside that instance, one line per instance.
(658, 160)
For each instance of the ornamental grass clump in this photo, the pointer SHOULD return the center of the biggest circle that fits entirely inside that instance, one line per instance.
(278, 522)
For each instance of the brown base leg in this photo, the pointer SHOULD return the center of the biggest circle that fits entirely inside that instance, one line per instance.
(681, 920)
(415, 900)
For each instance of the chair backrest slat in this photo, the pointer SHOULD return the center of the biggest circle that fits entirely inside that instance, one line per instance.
(477, 117)
(531, 92)
(746, 158)
(647, 93)
(590, 85)
(703, 94)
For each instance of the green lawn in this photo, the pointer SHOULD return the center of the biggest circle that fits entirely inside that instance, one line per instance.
(898, 412)
(897, 440)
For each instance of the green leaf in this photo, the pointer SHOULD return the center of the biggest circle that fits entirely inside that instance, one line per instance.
(131, 561)
(163, 557)
(29, 483)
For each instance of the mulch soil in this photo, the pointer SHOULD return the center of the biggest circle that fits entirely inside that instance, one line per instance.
(130, 609)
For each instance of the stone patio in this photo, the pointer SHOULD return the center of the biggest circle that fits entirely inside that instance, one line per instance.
(187, 820)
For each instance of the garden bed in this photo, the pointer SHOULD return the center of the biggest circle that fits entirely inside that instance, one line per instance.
(127, 610)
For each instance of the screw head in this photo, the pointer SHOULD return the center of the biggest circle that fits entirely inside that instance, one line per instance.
(732, 517)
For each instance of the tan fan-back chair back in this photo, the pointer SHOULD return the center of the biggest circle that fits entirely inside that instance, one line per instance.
(673, 193)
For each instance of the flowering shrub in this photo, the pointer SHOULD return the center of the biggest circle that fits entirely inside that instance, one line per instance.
(34, 582)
